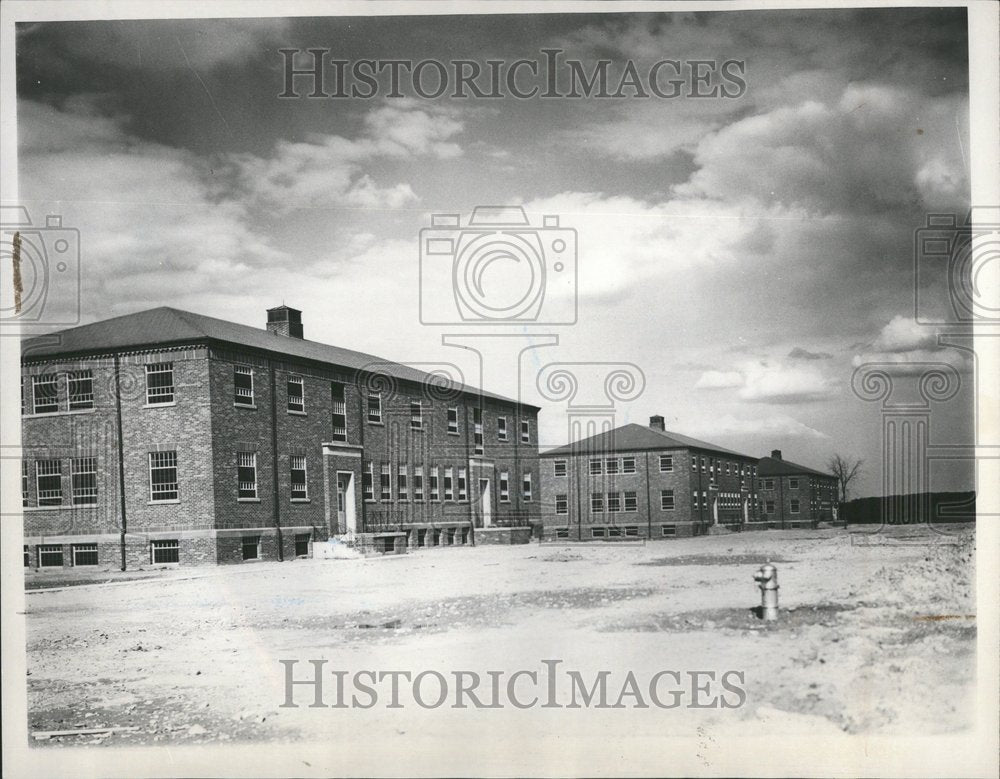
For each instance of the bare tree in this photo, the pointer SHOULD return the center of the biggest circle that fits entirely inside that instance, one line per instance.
(846, 471)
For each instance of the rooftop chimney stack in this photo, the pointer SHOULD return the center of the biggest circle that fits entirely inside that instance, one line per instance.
(656, 422)
(776, 454)
(285, 321)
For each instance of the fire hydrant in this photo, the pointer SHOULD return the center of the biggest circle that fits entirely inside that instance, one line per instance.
(767, 580)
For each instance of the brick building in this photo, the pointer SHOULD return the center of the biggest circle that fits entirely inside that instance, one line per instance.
(166, 436)
(644, 482)
(792, 495)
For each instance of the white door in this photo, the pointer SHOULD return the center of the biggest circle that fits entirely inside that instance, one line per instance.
(485, 502)
(346, 517)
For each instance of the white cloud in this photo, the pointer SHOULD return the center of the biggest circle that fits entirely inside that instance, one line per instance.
(777, 383)
(719, 380)
(774, 426)
(903, 334)
(908, 347)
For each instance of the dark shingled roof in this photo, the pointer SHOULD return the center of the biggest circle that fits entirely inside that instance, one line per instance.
(632, 438)
(170, 326)
(772, 466)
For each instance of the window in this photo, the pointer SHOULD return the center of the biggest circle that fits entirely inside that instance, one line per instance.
(694, 463)
(24, 483)
(526, 487)
(448, 479)
(50, 556)
(246, 475)
(162, 476)
(702, 464)
(596, 467)
(402, 487)
(562, 532)
(84, 477)
(435, 492)
(562, 504)
(368, 481)
(416, 415)
(525, 431)
(159, 383)
(597, 502)
(794, 509)
(768, 484)
(477, 430)
(501, 428)
(463, 488)
(297, 466)
(338, 404)
(559, 467)
(48, 482)
(768, 506)
(84, 554)
(614, 502)
(375, 407)
(45, 394)
(385, 482)
(631, 502)
(667, 463)
(453, 420)
(251, 547)
(504, 487)
(631, 530)
(165, 551)
(418, 482)
(27, 557)
(694, 499)
(296, 395)
(611, 464)
(628, 465)
(243, 383)
(704, 499)
(81, 391)
(793, 484)
(302, 544)
(668, 530)
(597, 532)
(614, 532)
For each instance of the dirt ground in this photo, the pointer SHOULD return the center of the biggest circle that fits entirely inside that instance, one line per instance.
(873, 638)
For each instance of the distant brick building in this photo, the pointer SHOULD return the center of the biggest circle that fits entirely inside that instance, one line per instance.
(792, 495)
(644, 482)
(166, 436)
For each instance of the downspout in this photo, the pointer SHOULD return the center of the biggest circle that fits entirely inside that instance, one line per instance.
(361, 431)
(276, 500)
(649, 504)
(121, 455)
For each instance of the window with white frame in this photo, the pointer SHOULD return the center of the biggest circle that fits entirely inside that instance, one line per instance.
(694, 463)
(667, 463)
(24, 483)
(666, 500)
(45, 393)
(374, 406)
(449, 491)
(559, 467)
(631, 501)
(504, 486)
(596, 467)
(368, 481)
(562, 532)
(694, 499)
(628, 465)
(298, 477)
(338, 401)
(435, 490)
(614, 502)
(795, 506)
(165, 551)
(768, 484)
(768, 506)
(48, 482)
(597, 532)
(243, 385)
(562, 504)
(611, 464)
(614, 532)
(525, 431)
(418, 482)
(597, 502)
(159, 383)
(477, 430)
(416, 415)
(81, 390)
(463, 484)
(385, 482)
(703, 463)
(526, 487)
(163, 476)
(632, 530)
(668, 530)
(84, 478)
(453, 420)
(296, 395)
(704, 499)
(246, 475)
(501, 428)
(84, 554)
(50, 555)
(402, 485)
(793, 484)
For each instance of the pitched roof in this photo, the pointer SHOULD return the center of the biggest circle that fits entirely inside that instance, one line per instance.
(632, 438)
(772, 466)
(168, 326)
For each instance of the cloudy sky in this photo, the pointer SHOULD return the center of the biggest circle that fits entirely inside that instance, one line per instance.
(746, 253)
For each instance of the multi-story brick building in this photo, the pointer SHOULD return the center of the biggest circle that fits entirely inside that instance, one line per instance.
(644, 482)
(166, 436)
(792, 495)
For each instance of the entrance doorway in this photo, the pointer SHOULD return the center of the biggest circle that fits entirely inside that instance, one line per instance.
(485, 502)
(347, 521)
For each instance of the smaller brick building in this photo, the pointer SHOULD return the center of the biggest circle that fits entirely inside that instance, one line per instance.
(644, 482)
(792, 495)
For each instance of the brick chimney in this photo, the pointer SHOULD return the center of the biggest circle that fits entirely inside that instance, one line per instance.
(776, 454)
(285, 321)
(656, 422)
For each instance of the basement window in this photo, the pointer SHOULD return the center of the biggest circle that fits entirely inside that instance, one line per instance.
(614, 532)
(84, 554)
(165, 552)
(301, 544)
(668, 530)
(251, 547)
(50, 556)
(597, 532)
(632, 530)
(562, 532)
